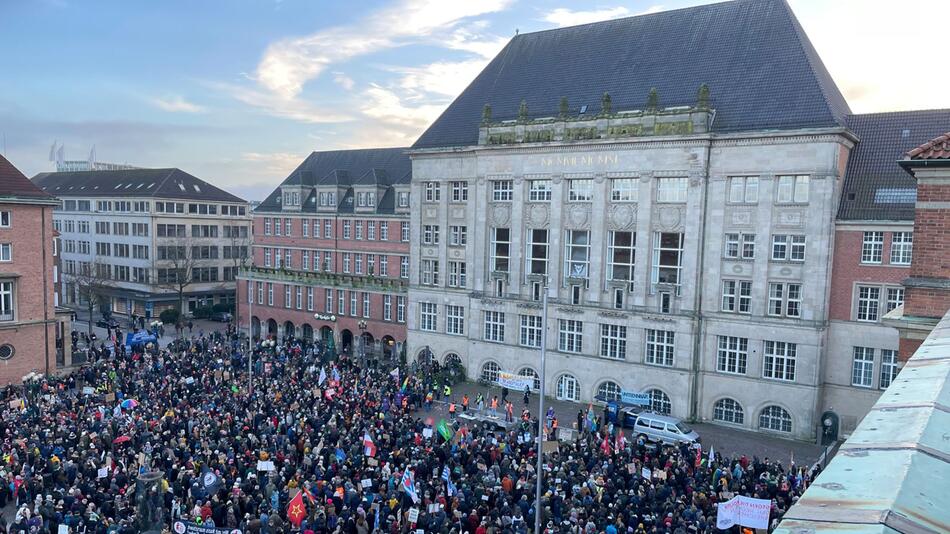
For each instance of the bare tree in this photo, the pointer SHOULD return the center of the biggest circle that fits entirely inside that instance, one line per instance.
(176, 263)
(91, 281)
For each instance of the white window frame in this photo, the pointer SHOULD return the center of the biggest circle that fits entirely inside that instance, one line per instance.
(788, 247)
(530, 331)
(433, 191)
(672, 190)
(624, 189)
(792, 189)
(889, 368)
(867, 304)
(737, 296)
(570, 336)
(743, 190)
(779, 360)
(733, 355)
(660, 347)
(580, 190)
(902, 248)
(459, 191)
(539, 190)
(428, 317)
(502, 191)
(576, 254)
(894, 298)
(872, 248)
(613, 341)
(458, 235)
(658, 250)
(454, 320)
(785, 299)
(494, 326)
(500, 250)
(532, 246)
(615, 256)
(862, 367)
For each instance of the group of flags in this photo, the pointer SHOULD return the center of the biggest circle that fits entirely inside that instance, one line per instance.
(296, 509)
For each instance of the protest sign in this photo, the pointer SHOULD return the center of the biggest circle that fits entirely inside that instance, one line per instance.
(413, 515)
(184, 527)
(367, 483)
(265, 465)
(515, 382)
(744, 511)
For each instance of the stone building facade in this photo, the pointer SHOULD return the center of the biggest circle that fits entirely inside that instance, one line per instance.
(132, 233)
(331, 253)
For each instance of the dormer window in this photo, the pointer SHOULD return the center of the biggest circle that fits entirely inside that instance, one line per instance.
(366, 199)
(327, 199)
(291, 198)
(403, 199)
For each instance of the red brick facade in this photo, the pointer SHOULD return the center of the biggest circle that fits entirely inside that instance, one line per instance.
(849, 272)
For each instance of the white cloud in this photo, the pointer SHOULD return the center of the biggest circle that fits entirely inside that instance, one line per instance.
(278, 162)
(287, 65)
(445, 78)
(176, 104)
(566, 17)
(343, 80)
(386, 106)
(295, 108)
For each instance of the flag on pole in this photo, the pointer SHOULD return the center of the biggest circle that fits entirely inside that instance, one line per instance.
(323, 376)
(340, 455)
(336, 374)
(296, 510)
(408, 484)
(405, 384)
(369, 448)
(591, 422)
(444, 430)
(313, 500)
(712, 454)
(395, 374)
(605, 446)
(450, 488)
(699, 456)
(446, 475)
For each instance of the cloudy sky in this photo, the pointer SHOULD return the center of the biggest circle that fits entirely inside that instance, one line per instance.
(237, 92)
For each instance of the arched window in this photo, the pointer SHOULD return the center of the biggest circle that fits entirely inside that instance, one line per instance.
(490, 372)
(660, 402)
(567, 388)
(775, 418)
(452, 359)
(608, 391)
(530, 373)
(728, 411)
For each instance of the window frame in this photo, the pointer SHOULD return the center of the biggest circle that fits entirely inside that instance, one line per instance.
(660, 347)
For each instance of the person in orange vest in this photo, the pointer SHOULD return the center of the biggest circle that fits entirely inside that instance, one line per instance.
(452, 409)
(509, 412)
(493, 408)
(554, 429)
(465, 402)
(429, 401)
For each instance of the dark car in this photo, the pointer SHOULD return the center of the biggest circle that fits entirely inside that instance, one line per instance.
(221, 317)
(107, 323)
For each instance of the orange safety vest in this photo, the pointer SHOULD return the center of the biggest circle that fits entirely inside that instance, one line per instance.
(494, 403)
(465, 400)
(554, 423)
(452, 407)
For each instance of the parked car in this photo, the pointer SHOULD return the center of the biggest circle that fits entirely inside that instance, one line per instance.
(107, 323)
(663, 429)
(221, 317)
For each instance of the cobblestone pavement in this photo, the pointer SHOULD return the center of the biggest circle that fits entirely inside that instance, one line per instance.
(726, 440)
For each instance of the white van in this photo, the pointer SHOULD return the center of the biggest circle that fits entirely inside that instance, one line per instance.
(663, 429)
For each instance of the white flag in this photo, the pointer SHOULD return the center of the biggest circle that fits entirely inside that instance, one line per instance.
(744, 511)
(323, 376)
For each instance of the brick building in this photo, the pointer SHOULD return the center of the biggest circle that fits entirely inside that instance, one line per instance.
(331, 252)
(875, 243)
(28, 320)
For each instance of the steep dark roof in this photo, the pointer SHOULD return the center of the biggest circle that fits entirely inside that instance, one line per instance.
(13, 184)
(761, 69)
(346, 168)
(156, 183)
(875, 186)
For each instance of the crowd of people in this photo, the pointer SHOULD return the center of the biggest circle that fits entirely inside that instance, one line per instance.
(314, 445)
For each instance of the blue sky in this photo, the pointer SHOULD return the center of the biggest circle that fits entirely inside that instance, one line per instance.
(237, 92)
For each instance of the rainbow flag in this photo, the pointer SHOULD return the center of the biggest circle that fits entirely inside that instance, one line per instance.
(405, 384)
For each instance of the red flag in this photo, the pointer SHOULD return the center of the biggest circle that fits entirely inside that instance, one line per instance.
(313, 500)
(605, 445)
(296, 510)
(699, 456)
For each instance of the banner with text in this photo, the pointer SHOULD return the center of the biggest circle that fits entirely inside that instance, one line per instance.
(183, 527)
(744, 511)
(515, 382)
(631, 397)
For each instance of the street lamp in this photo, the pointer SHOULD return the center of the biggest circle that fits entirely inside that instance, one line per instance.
(540, 475)
(362, 343)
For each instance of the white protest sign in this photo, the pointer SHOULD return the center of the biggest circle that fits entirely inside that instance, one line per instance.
(366, 483)
(427, 433)
(265, 465)
(744, 511)
(513, 381)
(646, 473)
(103, 472)
(413, 515)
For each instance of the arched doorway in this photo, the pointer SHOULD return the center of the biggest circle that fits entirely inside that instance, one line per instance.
(255, 327)
(389, 346)
(289, 330)
(346, 340)
(326, 335)
(271, 327)
(307, 332)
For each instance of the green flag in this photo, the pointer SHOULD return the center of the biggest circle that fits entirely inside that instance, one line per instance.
(445, 430)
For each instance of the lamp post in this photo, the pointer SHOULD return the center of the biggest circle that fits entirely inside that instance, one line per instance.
(540, 474)
(362, 342)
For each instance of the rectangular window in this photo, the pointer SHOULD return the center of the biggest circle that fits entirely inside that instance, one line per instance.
(384, 230)
(902, 245)
(387, 307)
(298, 297)
(328, 300)
(785, 300)
(340, 302)
(895, 298)
(260, 292)
(6, 218)
(792, 190)
(430, 234)
(580, 190)
(427, 316)
(305, 260)
(7, 313)
(270, 293)
(671, 189)
(888, 367)
(358, 263)
(288, 227)
(872, 248)
(6, 252)
(352, 303)
(539, 190)
(501, 191)
(737, 296)
(530, 331)
(288, 303)
(371, 230)
(404, 231)
(733, 354)
(659, 347)
(403, 266)
(570, 335)
(454, 320)
(366, 305)
(359, 229)
(346, 262)
(457, 274)
(500, 249)
(458, 235)
(743, 189)
(576, 253)
(459, 191)
(536, 255)
(494, 326)
(667, 258)
(310, 298)
(779, 362)
(346, 229)
(862, 367)
(304, 228)
(371, 264)
(327, 229)
(403, 199)
(433, 193)
(621, 255)
(739, 246)
(613, 341)
(624, 189)
(277, 231)
(788, 248)
(430, 272)
(869, 303)
(267, 257)
(401, 309)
